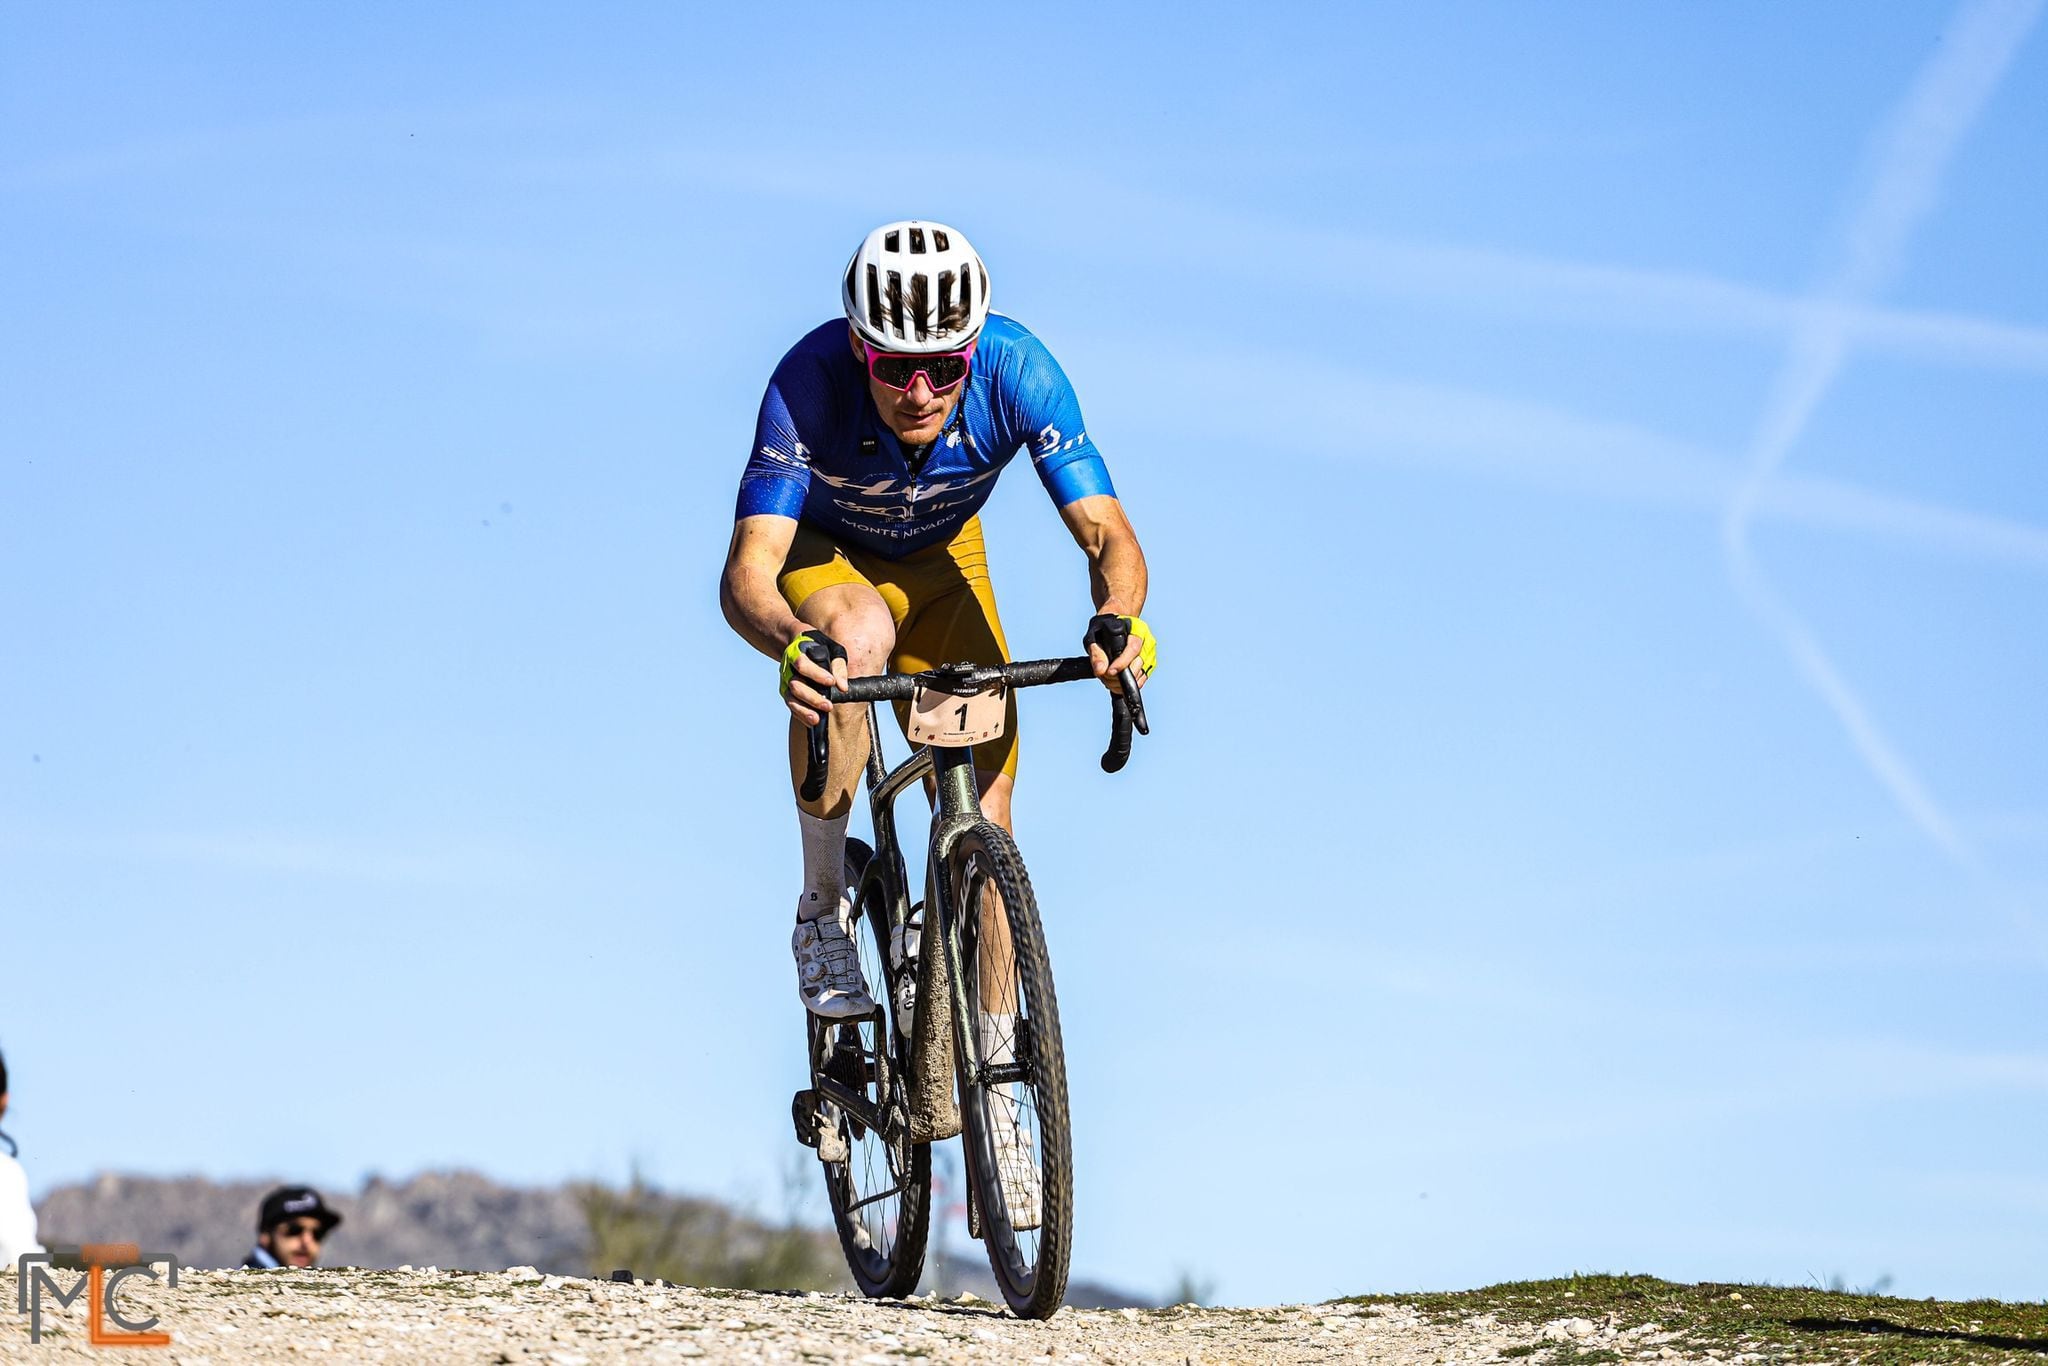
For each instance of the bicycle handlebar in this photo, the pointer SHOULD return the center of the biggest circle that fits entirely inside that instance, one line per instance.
(1025, 673)
(1028, 673)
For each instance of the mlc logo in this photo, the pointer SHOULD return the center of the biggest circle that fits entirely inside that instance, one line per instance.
(95, 1260)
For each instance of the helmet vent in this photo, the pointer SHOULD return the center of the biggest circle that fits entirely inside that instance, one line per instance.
(916, 286)
(920, 297)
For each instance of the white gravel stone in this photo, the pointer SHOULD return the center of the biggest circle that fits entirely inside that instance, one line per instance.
(516, 1318)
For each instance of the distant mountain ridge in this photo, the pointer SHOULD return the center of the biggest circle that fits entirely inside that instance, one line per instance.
(451, 1220)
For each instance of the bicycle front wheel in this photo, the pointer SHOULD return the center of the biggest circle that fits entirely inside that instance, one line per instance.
(881, 1188)
(1013, 1104)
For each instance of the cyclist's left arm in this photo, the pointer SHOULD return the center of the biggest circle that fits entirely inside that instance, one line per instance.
(1116, 575)
(1038, 406)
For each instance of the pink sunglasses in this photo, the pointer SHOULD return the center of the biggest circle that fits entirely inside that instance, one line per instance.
(942, 371)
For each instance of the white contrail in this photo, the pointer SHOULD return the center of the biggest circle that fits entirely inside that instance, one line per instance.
(1910, 155)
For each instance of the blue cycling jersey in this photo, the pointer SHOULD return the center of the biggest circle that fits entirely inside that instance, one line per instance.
(823, 454)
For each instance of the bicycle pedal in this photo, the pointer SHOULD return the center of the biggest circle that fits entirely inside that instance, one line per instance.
(803, 1111)
(817, 1127)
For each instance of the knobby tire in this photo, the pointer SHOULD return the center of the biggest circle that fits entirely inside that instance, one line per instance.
(1030, 1266)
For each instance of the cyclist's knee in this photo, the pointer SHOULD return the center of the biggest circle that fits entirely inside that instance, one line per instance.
(862, 626)
(868, 644)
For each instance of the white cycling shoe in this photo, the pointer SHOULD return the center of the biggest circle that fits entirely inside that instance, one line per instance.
(1015, 1164)
(828, 975)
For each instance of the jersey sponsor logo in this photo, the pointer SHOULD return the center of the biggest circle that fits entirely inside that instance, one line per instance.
(887, 514)
(871, 487)
(800, 456)
(1049, 442)
(901, 531)
(908, 512)
(953, 485)
(889, 485)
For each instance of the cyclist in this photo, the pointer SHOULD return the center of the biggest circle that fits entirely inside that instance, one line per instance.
(17, 1215)
(856, 545)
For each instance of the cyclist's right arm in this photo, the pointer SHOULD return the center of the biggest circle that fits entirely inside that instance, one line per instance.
(754, 607)
(799, 400)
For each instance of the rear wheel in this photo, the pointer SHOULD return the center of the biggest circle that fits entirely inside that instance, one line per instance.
(1014, 1105)
(881, 1189)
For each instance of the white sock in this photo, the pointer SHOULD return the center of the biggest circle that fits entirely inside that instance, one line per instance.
(998, 1037)
(824, 863)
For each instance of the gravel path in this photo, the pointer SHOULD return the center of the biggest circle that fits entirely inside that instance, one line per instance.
(224, 1318)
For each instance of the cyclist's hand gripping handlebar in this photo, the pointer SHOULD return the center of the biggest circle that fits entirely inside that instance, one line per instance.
(1112, 634)
(821, 650)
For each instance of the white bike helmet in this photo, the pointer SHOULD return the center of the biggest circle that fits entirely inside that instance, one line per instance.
(916, 286)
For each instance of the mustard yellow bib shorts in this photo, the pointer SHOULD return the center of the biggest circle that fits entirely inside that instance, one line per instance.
(940, 598)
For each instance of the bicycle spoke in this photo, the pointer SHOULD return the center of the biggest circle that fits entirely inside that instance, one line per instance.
(878, 1195)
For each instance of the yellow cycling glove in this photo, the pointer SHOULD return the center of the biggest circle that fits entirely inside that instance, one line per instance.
(1113, 631)
(820, 648)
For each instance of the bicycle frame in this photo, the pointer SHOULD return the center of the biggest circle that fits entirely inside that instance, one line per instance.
(979, 1053)
(957, 809)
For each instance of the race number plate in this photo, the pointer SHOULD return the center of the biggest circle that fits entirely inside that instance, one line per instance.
(948, 721)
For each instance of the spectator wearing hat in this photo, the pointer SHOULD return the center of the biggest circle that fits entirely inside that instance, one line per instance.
(290, 1227)
(17, 1215)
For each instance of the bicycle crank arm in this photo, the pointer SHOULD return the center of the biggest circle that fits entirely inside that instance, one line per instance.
(852, 1103)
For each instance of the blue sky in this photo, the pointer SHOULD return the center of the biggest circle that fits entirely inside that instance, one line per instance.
(1619, 423)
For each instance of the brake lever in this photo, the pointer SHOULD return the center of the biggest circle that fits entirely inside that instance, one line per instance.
(1134, 699)
(817, 752)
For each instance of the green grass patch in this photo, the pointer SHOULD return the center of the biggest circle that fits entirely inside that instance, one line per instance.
(1780, 1323)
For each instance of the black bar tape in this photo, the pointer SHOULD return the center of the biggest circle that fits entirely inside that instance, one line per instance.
(821, 650)
(1119, 749)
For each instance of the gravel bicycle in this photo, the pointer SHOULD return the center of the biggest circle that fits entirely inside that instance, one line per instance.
(966, 1037)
